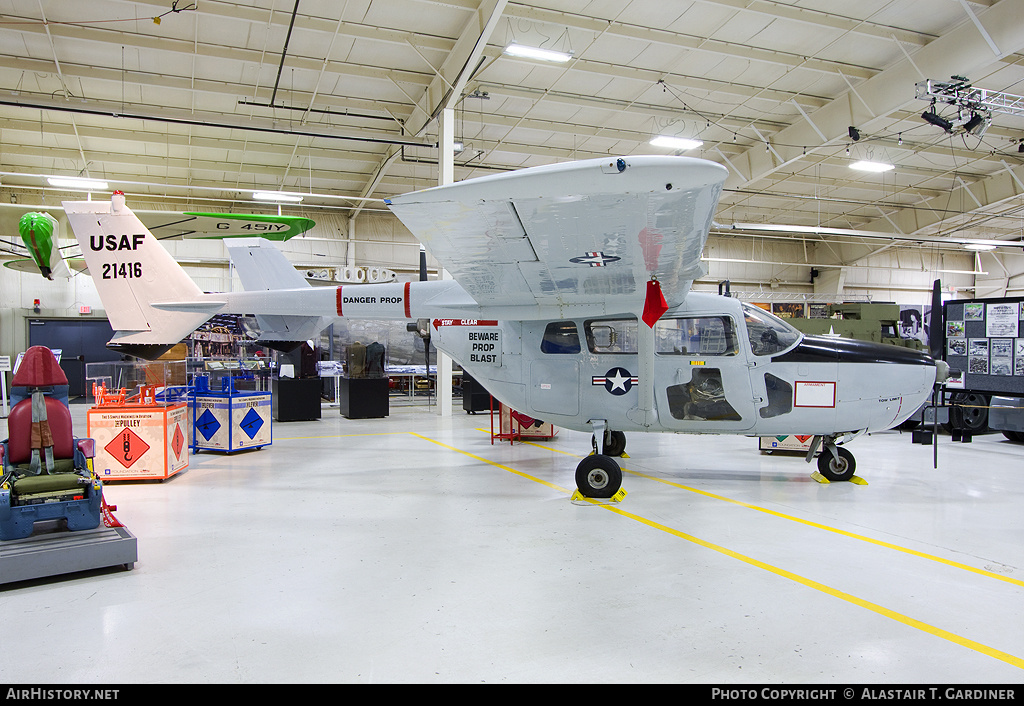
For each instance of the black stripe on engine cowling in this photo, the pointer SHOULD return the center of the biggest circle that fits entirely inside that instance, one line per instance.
(822, 349)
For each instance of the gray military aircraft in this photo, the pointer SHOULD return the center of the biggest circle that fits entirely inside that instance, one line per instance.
(570, 303)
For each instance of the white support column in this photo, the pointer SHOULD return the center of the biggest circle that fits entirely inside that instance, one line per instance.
(350, 250)
(445, 175)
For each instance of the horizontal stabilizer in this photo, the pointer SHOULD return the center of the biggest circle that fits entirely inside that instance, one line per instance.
(205, 307)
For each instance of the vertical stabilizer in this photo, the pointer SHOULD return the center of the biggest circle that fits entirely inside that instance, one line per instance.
(132, 270)
(261, 266)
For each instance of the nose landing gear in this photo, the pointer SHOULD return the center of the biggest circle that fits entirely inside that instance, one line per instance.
(835, 463)
(598, 476)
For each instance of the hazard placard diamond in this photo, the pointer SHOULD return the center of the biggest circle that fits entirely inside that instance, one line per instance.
(251, 423)
(177, 441)
(207, 424)
(127, 447)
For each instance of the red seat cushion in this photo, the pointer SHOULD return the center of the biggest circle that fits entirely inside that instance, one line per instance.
(19, 429)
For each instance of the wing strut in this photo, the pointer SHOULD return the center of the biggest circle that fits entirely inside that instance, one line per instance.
(654, 306)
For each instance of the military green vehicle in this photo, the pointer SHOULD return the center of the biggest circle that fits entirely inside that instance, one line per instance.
(862, 321)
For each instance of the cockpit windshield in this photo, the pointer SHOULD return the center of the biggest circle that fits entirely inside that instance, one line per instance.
(768, 334)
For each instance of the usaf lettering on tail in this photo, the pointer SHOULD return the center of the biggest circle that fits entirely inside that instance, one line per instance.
(112, 242)
(593, 342)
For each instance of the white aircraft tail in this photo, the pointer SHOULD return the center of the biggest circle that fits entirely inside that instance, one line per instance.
(132, 271)
(260, 266)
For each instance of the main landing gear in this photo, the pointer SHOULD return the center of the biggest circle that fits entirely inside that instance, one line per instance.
(835, 463)
(599, 475)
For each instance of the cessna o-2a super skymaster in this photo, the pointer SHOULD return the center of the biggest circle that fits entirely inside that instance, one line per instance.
(569, 303)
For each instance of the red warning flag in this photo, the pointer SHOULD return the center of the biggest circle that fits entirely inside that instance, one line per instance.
(655, 304)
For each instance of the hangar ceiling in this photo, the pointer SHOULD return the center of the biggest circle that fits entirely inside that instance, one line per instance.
(204, 102)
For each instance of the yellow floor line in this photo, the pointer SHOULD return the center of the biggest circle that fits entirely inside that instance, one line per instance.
(835, 530)
(873, 607)
(1010, 659)
(489, 462)
(816, 525)
(338, 436)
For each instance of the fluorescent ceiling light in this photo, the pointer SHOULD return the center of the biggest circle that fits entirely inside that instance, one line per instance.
(676, 143)
(869, 166)
(78, 183)
(275, 196)
(818, 230)
(979, 247)
(522, 50)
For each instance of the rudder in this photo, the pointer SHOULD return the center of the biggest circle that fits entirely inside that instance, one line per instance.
(132, 271)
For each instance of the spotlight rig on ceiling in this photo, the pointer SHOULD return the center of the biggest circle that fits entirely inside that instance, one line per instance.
(974, 106)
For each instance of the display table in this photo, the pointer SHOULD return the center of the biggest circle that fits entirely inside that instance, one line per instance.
(363, 398)
(513, 426)
(295, 399)
(135, 442)
(230, 421)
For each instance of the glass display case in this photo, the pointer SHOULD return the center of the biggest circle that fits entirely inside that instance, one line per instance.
(139, 419)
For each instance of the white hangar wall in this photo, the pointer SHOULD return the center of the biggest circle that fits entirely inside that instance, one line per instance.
(769, 268)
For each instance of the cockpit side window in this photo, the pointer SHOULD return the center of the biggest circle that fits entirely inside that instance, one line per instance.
(768, 334)
(696, 335)
(560, 337)
(611, 335)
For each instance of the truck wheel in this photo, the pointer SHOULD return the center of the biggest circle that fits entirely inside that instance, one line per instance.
(973, 414)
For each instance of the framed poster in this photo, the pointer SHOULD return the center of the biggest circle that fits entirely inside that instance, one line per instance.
(1001, 320)
(977, 356)
(1001, 356)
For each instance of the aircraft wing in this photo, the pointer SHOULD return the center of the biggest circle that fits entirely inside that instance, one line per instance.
(575, 234)
(30, 266)
(173, 224)
(181, 224)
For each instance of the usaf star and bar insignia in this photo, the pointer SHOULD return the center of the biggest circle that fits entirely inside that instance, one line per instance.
(617, 381)
(595, 259)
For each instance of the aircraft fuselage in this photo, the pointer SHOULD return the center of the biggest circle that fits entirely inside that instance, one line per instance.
(719, 366)
(707, 376)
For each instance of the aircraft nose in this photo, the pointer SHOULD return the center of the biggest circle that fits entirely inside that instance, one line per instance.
(941, 371)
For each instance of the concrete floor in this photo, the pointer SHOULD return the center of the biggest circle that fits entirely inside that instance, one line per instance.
(411, 549)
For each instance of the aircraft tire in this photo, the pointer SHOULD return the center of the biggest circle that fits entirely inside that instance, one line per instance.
(614, 443)
(833, 470)
(598, 476)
